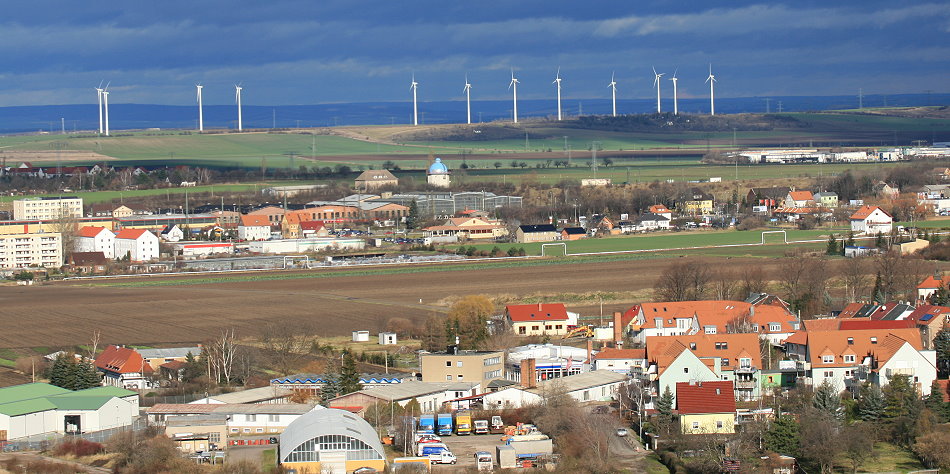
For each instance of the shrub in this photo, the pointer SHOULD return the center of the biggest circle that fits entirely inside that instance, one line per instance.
(77, 447)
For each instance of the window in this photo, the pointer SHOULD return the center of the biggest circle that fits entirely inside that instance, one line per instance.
(534, 328)
(719, 424)
(448, 363)
(850, 341)
(448, 377)
(521, 330)
(250, 417)
(273, 418)
(775, 327)
(658, 322)
(259, 430)
(234, 430)
(692, 346)
(547, 327)
(559, 327)
(709, 329)
(849, 358)
(829, 374)
(458, 364)
(873, 340)
(828, 359)
(214, 437)
(685, 370)
(492, 361)
(247, 430)
(695, 425)
(745, 362)
(459, 377)
(849, 373)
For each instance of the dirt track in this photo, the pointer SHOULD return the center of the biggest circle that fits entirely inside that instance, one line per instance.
(66, 313)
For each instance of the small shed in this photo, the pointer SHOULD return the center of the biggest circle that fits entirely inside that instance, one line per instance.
(387, 339)
(360, 336)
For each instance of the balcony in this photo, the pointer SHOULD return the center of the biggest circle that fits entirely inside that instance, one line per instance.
(746, 370)
(745, 384)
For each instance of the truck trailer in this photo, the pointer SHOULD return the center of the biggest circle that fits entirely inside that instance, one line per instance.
(445, 424)
(427, 424)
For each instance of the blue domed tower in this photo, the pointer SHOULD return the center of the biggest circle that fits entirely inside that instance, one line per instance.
(438, 174)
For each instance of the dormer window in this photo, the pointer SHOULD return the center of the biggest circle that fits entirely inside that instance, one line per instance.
(692, 346)
(828, 359)
(850, 341)
(849, 358)
(873, 340)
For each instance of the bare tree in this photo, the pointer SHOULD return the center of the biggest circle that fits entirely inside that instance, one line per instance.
(285, 344)
(68, 228)
(724, 284)
(741, 324)
(754, 280)
(683, 282)
(855, 274)
(803, 280)
(220, 354)
(94, 344)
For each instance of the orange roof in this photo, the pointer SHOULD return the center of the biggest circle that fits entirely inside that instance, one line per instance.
(121, 360)
(312, 225)
(851, 310)
(719, 313)
(826, 324)
(613, 353)
(251, 220)
(801, 195)
(730, 347)
(536, 312)
(800, 338)
(932, 282)
(659, 209)
(130, 234)
(879, 343)
(89, 231)
(866, 211)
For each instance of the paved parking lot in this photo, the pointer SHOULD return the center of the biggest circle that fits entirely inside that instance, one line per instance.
(464, 448)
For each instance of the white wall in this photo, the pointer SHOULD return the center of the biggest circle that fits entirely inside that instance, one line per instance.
(921, 365)
(512, 397)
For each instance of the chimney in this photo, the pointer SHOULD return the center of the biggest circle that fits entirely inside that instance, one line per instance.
(590, 351)
(529, 375)
(618, 331)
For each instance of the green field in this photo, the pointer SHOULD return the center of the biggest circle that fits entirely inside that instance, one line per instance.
(672, 240)
(109, 196)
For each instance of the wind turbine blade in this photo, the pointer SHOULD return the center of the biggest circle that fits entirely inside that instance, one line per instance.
(107, 86)
(675, 71)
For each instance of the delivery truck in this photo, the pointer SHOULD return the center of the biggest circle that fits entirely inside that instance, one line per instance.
(481, 426)
(463, 423)
(445, 424)
(427, 424)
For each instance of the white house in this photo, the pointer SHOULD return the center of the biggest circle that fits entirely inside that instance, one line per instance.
(622, 361)
(597, 385)
(139, 244)
(652, 221)
(95, 239)
(254, 227)
(871, 220)
(172, 233)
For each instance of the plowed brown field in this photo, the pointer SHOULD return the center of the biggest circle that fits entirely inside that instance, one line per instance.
(66, 313)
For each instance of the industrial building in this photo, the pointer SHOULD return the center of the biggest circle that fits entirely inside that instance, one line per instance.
(330, 440)
(37, 409)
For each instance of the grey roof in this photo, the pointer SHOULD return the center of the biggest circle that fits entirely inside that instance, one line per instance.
(649, 216)
(364, 378)
(413, 389)
(328, 422)
(197, 420)
(824, 194)
(231, 408)
(571, 383)
(252, 395)
(501, 383)
(169, 352)
(537, 228)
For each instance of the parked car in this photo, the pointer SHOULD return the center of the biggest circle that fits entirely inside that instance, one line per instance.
(622, 432)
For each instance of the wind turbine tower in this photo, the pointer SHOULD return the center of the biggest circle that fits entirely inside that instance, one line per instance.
(613, 93)
(99, 93)
(237, 98)
(201, 116)
(676, 107)
(712, 91)
(656, 82)
(557, 80)
(468, 100)
(513, 85)
(415, 105)
(105, 104)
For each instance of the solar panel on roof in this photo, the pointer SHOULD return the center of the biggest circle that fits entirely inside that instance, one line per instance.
(926, 317)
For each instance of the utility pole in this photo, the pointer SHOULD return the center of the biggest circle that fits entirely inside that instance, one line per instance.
(860, 98)
(768, 103)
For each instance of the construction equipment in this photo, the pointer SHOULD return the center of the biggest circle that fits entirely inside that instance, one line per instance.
(585, 331)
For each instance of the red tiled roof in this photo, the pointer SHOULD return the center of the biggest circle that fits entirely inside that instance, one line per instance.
(311, 225)
(800, 338)
(612, 353)
(663, 350)
(866, 211)
(131, 234)
(121, 360)
(938, 312)
(536, 312)
(933, 283)
(89, 231)
(174, 365)
(835, 343)
(827, 324)
(705, 397)
(858, 324)
(851, 310)
(801, 195)
(252, 220)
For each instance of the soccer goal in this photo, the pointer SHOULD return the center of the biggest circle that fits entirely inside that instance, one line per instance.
(559, 244)
(784, 235)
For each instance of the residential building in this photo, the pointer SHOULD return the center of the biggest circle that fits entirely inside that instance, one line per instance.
(698, 202)
(88, 262)
(927, 288)
(430, 395)
(593, 386)
(172, 233)
(438, 175)
(456, 365)
(774, 322)
(706, 408)
(310, 229)
(826, 199)
(467, 228)
(536, 233)
(767, 197)
(124, 367)
(47, 208)
(95, 239)
(673, 364)
(254, 227)
(36, 409)
(549, 319)
(573, 233)
(733, 357)
(622, 361)
(156, 357)
(370, 180)
(661, 210)
(871, 220)
(138, 244)
(31, 250)
(652, 221)
(273, 214)
(799, 199)
(330, 441)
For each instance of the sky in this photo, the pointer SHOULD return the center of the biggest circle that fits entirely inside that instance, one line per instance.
(295, 52)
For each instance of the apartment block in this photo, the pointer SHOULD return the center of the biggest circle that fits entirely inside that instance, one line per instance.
(47, 208)
(24, 250)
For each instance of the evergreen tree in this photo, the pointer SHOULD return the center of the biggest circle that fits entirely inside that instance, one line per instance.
(331, 387)
(871, 403)
(349, 380)
(193, 368)
(942, 348)
(783, 436)
(832, 245)
(664, 410)
(412, 219)
(935, 403)
(901, 398)
(59, 370)
(849, 242)
(827, 400)
(86, 375)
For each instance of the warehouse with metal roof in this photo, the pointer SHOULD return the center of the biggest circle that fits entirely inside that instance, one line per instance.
(330, 440)
(39, 409)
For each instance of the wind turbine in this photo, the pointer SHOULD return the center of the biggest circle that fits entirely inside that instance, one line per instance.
(201, 116)
(415, 106)
(656, 82)
(712, 92)
(557, 80)
(99, 93)
(237, 98)
(613, 93)
(513, 85)
(468, 99)
(105, 104)
(676, 108)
